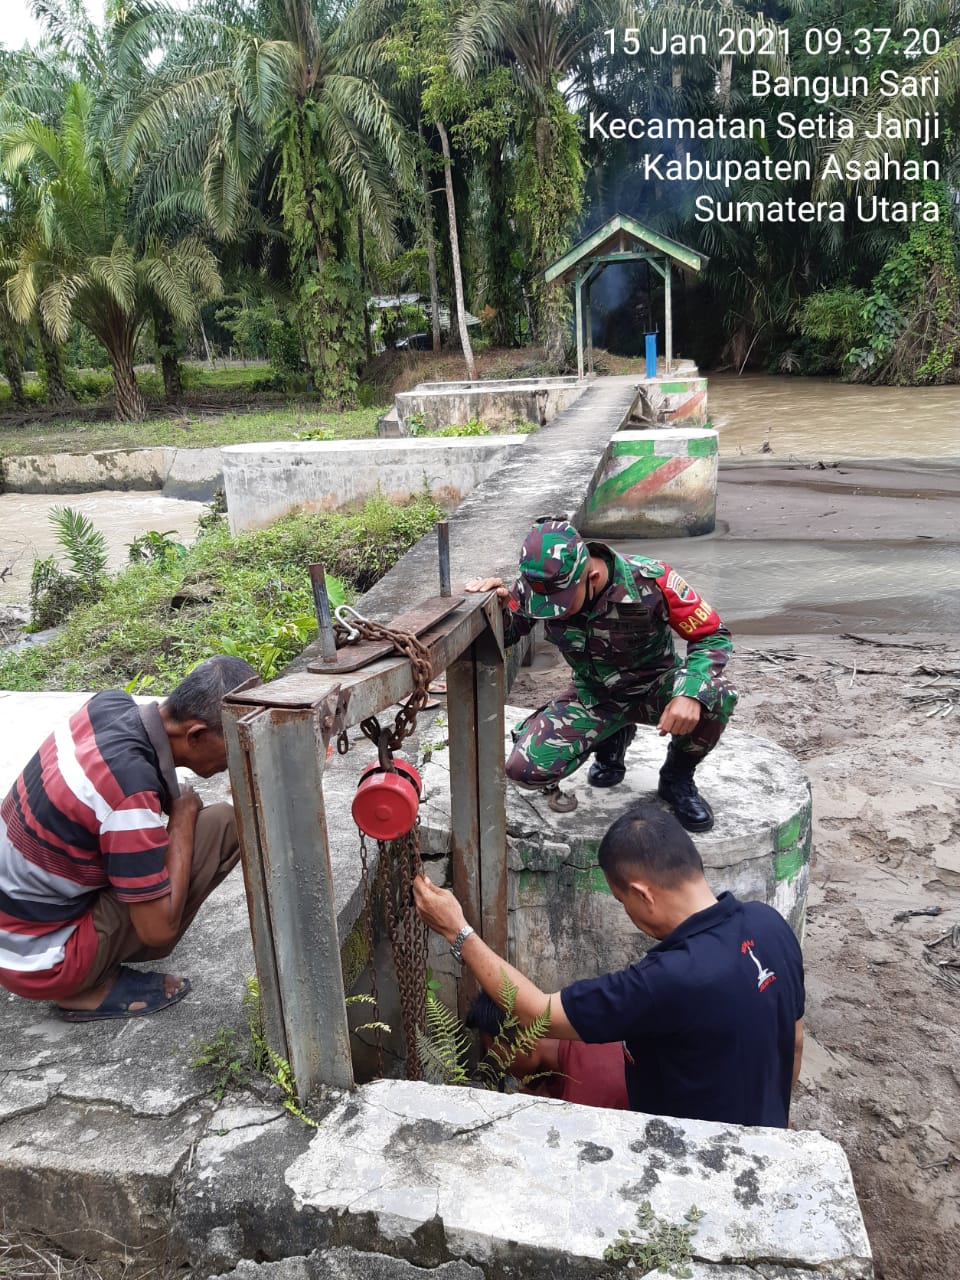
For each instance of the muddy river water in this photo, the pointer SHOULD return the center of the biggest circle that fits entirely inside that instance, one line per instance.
(815, 418)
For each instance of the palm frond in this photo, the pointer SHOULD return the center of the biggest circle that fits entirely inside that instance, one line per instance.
(116, 273)
(56, 305)
(21, 290)
(85, 546)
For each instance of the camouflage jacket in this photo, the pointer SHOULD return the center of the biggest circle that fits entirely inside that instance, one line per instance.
(624, 642)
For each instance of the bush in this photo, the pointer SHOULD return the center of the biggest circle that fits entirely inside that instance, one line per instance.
(833, 322)
(53, 594)
(251, 592)
(89, 384)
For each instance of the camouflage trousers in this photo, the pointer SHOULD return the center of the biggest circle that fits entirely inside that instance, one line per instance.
(557, 738)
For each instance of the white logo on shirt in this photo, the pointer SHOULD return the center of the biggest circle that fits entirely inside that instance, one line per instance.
(764, 976)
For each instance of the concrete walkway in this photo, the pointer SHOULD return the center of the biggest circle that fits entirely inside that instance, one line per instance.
(549, 475)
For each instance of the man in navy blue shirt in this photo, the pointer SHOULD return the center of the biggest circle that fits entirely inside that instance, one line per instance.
(711, 1018)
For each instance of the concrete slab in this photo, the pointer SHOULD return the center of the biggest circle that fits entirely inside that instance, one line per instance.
(549, 475)
(389, 1163)
(564, 923)
(654, 483)
(263, 482)
(351, 1264)
(492, 401)
(181, 473)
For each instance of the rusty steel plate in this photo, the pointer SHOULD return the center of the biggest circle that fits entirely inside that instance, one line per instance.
(354, 656)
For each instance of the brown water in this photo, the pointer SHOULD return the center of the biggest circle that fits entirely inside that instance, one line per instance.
(816, 418)
(26, 532)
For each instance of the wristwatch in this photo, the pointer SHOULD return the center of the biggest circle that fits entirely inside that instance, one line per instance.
(456, 946)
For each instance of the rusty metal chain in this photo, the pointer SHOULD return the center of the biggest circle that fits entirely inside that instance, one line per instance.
(400, 860)
(408, 939)
(422, 671)
(370, 941)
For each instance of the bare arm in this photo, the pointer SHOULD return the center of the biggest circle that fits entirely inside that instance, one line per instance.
(158, 922)
(442, 913)
(797, 1052)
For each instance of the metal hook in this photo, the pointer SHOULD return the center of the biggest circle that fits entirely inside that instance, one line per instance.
(384, 752)
(352, 632)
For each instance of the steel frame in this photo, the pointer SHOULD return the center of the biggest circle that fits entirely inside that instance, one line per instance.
(277, 736)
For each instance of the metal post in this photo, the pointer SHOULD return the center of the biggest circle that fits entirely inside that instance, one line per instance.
(321, 603)
(443, 547)
(475, 697)
(668, 320)
(280, 787)
(277, 735)
(589, 320)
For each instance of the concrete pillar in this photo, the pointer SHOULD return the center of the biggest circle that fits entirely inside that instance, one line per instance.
(564, 922)
(659, 483)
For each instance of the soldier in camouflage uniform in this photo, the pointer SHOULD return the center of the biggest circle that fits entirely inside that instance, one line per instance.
(612, 619)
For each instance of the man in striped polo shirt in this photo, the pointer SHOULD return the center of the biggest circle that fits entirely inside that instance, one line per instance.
(105, 857)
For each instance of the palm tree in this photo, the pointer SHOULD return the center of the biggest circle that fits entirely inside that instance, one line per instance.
(545, 41)
(245, 87)
(77, 259)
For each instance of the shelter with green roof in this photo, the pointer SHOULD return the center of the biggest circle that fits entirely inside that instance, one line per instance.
(621, 239)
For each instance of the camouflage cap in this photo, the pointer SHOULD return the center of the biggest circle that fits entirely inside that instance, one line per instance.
(553, 559)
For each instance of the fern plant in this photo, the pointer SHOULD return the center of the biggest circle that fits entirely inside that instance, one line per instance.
(512, 1038)
(85, 546)
(443, 1045)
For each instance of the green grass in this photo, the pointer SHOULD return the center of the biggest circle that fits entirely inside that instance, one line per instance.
(246, 413)
(252, 595)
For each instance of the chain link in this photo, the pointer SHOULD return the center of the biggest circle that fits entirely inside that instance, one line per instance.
(421, 670)
(408, 939)
(400, 860)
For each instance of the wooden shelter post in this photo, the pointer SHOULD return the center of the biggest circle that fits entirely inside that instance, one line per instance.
(578, 306)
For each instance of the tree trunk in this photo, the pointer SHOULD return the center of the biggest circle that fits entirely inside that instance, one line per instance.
(430, 243)
(11, 357)
(167, 352)
(55, 374)
(130, 404)
(502, 292)
(551, 300)
(726, 66)
(362, 260)
(455, 255)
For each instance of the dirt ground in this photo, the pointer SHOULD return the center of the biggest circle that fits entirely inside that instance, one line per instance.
(881, 1069)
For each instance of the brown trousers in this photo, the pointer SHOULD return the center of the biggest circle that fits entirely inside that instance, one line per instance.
(216, 851)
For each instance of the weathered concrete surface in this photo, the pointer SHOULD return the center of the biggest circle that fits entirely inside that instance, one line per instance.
(564, 922)
(351, 1264)
(493, 402)
(655, 483)
(499, 1176)
(674, 399)
(81, 472)
(266, 481)
(193, 474)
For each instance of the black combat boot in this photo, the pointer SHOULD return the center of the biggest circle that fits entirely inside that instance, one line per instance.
(679, 790)
(608, 768)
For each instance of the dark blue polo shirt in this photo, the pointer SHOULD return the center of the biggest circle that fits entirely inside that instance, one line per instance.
(707, 1017)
